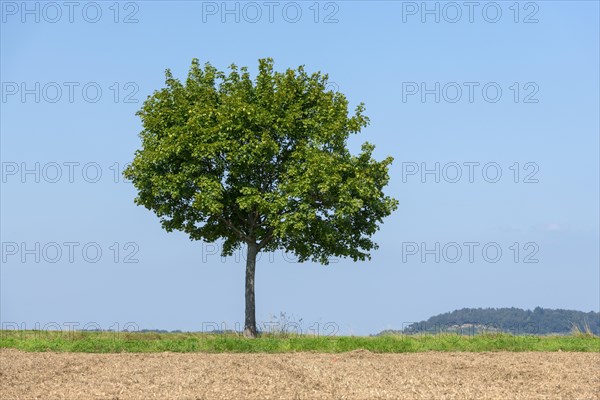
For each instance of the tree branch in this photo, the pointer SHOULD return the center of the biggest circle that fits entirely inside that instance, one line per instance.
(240, 234)
(266, 239)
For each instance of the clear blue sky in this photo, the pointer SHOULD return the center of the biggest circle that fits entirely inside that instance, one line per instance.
(382, 53)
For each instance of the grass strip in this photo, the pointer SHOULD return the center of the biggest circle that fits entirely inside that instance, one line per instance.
(134, 342)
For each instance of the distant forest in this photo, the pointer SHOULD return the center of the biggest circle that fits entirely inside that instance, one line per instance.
(540, 321)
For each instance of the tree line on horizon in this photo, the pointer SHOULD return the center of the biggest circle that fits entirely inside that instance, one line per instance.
(539, 321)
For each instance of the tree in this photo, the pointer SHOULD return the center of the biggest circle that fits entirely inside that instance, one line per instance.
(262, 163)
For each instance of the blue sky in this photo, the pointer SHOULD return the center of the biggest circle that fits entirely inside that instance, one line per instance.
(517, 94)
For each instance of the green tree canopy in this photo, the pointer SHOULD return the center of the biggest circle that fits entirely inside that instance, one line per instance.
(260, 162)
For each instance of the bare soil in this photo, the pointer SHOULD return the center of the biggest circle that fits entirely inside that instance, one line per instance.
(354, 375)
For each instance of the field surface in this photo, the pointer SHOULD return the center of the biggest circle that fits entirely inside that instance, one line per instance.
(351, 375)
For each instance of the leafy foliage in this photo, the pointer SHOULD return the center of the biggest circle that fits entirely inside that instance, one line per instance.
(263, 162)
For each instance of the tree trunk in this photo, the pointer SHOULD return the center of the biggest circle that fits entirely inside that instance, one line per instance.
(250, 324)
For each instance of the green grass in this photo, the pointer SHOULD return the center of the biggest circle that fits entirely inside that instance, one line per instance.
(113, 342)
